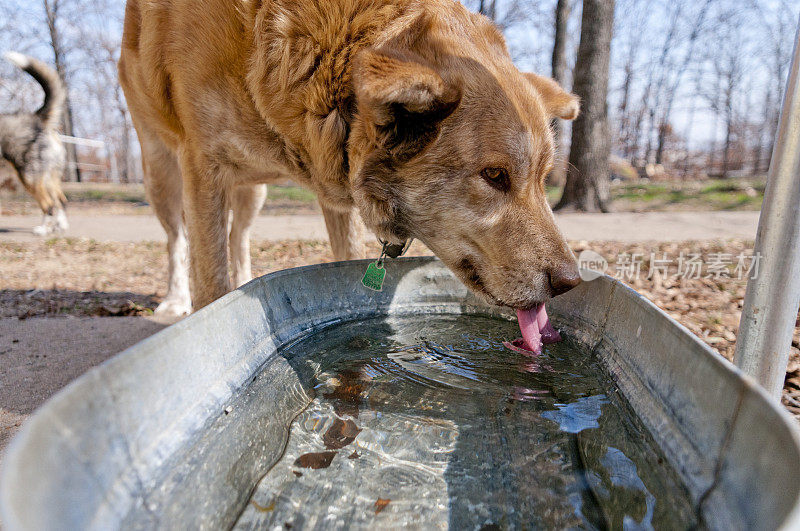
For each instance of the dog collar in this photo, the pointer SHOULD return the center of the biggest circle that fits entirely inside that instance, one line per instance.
(394, 250)
(375, 273)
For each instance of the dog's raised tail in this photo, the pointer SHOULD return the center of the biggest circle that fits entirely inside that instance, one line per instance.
(54, 94)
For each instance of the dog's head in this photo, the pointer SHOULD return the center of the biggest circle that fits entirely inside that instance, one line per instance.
(451, 145)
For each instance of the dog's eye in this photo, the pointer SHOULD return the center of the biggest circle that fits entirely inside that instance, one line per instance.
(497, 178)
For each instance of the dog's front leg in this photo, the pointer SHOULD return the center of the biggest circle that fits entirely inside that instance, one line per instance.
(247, 202)
(345, 232)
(206, 209)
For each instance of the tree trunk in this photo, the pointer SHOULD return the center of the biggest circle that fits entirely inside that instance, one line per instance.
(648, 152)
(761, 134)
(73, 172)
(624, 119)
(587, 178)
(559, 65)
(726, 150)
(687, 136)
(757, 150)
(125, 165)
(773, 129)
(51, 12)
(662, 140)
(488, 8)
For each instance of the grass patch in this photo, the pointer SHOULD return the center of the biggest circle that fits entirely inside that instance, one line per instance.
(719, 194)
(641, 192)
(283, 192)
(553, 194)
(136, 195)
(97, 195)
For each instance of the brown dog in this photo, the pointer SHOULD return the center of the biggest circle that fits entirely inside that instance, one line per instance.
(407, 113)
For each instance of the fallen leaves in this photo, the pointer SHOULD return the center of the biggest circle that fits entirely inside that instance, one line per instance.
(709, 307)
(315, 460)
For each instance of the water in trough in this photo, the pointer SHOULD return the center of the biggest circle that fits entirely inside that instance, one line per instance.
(430, 421)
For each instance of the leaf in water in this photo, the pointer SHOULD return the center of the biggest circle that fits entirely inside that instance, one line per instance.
(340, 434)
(346, 396)
(381, 504)
(315, 460)
(263, 508)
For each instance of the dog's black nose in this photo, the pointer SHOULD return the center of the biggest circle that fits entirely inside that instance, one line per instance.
(563, 278)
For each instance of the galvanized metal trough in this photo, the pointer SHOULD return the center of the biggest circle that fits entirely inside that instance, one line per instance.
(177, 430)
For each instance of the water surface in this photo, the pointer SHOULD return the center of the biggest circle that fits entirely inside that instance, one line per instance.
(430, 422)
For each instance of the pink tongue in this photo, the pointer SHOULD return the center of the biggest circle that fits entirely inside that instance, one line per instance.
(549, 334)
(536, 329)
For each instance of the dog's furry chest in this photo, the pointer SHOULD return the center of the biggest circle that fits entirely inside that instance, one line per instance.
(300, 79)
(249, 150)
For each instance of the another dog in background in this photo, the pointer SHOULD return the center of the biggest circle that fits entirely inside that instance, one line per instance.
(30, 143)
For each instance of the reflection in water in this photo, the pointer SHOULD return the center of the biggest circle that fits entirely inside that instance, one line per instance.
(430, 422)
(579, 415)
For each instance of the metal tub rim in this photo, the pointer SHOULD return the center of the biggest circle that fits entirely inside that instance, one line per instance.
(413, 285)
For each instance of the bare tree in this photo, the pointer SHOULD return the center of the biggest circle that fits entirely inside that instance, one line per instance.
(14, 85)
(725, 57)
(559, 72)
(778, 22)
(53, 14)
(505, 13)
(672, 88)
(643, 116)
(731, 79)
(488, 8)
(586, 188)
(102, 54)
(630, 72)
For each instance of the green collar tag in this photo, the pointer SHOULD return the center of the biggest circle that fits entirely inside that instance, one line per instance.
(373, 277)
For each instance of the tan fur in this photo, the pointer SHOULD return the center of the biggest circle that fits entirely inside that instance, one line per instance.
(46, 191)
(556, 101)
(387, 108)
(30, 145)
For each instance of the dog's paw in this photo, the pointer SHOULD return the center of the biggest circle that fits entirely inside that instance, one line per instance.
(61, 222)
(42, 230)
(173, 308)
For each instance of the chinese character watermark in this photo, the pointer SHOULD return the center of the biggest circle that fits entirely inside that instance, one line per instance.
(687, 265)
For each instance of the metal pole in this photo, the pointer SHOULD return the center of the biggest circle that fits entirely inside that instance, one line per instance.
(113, 162)
(772, 298)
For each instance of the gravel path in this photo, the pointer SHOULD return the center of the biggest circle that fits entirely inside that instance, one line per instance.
(621, 226)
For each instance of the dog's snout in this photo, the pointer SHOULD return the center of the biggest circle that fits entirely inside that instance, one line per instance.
(563, 278)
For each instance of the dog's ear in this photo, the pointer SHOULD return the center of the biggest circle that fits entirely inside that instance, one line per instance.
(559, 102)
(402, 100)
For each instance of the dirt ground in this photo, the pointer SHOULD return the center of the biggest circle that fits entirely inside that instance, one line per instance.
(617, 226)
(108, 291)
(41, 355)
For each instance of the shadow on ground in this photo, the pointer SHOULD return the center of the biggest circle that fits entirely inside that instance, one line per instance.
(50, 337)
(24, 304)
